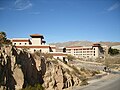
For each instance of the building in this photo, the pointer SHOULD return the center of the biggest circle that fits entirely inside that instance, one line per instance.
(86, 52)
(37, 43)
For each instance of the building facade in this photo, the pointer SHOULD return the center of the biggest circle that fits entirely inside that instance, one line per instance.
(86, 52)
(37, 43)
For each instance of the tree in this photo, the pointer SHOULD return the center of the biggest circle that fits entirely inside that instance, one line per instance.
(112, 51)
(3, 39)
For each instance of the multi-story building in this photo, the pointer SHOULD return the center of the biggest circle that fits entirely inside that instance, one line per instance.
(94, 51)
(37, 43)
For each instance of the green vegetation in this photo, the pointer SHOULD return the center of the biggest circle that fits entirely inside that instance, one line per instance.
(95, 72)
(36, 87)
(113, 51)
(3, 39)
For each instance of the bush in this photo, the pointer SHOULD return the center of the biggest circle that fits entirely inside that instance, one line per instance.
(3, 39)
(95, 72)
(113, 51)
(36, 87)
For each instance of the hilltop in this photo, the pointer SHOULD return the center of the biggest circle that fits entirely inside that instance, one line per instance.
(83, 43)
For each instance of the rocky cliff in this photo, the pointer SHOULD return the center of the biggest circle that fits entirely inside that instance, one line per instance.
(19, 69)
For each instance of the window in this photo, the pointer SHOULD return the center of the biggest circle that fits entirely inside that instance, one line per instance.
(19, 43)
(64, 50)
(25, 43)
(14, 43)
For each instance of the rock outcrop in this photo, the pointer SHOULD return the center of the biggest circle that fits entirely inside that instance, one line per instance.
(58, 77)
(19, 68)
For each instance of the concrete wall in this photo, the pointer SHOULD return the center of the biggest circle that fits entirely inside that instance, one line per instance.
(36, 41)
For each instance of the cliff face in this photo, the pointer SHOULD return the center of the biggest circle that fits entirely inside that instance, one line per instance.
(58, 77)
(19, 69)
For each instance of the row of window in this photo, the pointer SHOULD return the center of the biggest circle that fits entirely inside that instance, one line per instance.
(84, 49)
(20, 43)
(84, 54)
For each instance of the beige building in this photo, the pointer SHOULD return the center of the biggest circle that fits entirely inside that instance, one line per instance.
(37, 43)
(86, 52)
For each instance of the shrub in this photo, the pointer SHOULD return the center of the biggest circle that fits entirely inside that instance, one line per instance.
(113, 51)
(3, 39)
(95, 72)
(36, 87)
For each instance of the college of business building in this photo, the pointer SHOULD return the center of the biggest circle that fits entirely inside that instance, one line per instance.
(37, 43)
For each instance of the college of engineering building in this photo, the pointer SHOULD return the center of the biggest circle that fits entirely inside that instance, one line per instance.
(36, 42)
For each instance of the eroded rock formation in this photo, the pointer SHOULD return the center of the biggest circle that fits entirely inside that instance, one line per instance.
(19, 69)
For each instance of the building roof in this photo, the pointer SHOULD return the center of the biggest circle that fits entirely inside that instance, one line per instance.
(45, 46)
(74, 46)
(37, 35)
(96, 45)
(20, 40)
(43, 41)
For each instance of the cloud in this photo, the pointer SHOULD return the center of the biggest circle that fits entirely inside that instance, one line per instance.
(22, 4)
(114, 6)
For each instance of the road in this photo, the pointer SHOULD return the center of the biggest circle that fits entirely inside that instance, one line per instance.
(109, 82)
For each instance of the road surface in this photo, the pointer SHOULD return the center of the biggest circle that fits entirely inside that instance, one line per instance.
(109, 82)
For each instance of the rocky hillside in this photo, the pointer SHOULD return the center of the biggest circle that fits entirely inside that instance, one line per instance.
(20, 69)
(83, 43)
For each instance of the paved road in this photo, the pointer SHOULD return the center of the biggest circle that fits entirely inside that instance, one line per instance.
(111, 82)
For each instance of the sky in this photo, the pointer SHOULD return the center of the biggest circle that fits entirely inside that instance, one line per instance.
(61, 20)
